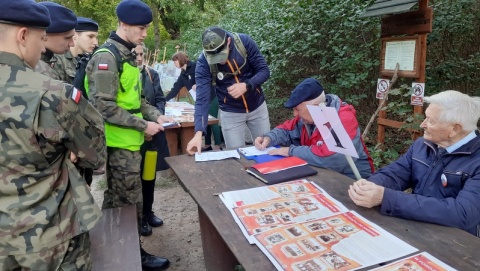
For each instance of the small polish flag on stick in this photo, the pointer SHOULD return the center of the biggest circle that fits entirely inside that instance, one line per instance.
(103, 66)
(76, 95)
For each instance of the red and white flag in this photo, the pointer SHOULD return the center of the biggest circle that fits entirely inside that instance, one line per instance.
(103, 66)
(76, 95)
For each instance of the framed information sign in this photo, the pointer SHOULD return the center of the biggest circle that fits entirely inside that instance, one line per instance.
(406, 52)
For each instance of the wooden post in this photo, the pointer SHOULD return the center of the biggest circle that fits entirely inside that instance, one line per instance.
(383, 122)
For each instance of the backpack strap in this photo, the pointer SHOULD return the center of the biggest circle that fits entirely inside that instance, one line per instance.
(239, 45)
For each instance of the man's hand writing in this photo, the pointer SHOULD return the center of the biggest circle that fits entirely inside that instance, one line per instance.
(262, 142)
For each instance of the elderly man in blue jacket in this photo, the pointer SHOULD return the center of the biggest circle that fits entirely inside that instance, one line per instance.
(442, 168)
(233, 65)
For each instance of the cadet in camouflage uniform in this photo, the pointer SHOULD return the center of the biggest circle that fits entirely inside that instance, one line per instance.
(59, 37)
(65, 66)
(46, 209)
(86, 41)
(119, 99)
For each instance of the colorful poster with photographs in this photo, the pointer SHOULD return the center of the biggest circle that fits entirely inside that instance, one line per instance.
(340, 242)
(267, 215)
(419, 262)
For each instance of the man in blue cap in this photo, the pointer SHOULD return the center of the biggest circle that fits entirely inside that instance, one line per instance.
(300, 137)
(114, 87)
(46, 208)
(85, 40)
(59, 37)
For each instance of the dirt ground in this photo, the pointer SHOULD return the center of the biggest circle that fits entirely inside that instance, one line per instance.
(178, 239)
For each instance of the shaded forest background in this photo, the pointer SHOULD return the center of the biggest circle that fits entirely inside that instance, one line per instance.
(325, 39)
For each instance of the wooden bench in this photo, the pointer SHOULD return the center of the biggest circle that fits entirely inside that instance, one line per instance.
(115, 241)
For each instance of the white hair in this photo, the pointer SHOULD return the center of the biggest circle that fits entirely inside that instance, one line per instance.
(457, 107)
(320, 99)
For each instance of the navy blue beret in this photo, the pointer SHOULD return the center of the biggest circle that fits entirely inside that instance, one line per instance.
(63, 19)
(134, 12)
(24, 12)
(307, 90)
(86, 24)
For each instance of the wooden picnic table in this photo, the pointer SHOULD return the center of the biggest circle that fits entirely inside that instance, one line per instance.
(224, 245)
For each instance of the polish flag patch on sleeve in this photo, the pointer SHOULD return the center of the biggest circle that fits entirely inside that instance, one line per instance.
(103, 66)
(76, 95)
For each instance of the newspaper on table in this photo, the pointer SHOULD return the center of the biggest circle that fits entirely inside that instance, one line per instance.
(419, 262)
(345, 241)
(264, 208)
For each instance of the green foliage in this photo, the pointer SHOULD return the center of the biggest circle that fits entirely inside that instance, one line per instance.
(382, 157)
(453, 56)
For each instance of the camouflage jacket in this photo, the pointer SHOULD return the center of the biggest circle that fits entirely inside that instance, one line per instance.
(45, 66)
(43, 199)
(103, 86)
(65, 66)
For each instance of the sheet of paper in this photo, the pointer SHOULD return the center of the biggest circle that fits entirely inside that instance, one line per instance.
(252, 150)
(216, 155)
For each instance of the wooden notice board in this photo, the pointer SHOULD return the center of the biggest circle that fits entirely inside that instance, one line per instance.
(404, 50)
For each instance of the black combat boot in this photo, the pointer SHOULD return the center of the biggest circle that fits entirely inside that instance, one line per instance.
(153, 263)
(153, 220)
(146, 229)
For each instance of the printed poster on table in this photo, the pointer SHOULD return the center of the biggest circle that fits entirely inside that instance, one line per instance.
(268, 196)
(266, 215)
(340, 242)
(419, 262)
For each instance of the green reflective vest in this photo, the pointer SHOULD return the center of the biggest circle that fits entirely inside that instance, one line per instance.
(129, 98)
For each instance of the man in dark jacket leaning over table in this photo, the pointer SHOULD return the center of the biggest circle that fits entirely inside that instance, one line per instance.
(237, 81)
(442, 168)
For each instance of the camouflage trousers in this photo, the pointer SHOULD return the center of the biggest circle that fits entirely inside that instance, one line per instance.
(71, 255)
(124, 185)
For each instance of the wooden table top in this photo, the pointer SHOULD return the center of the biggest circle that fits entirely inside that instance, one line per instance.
(205, 180)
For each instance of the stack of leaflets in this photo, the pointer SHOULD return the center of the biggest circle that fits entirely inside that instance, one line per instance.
(301, 227)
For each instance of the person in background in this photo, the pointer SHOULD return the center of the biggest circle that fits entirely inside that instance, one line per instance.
(59, 37)
(46, 209)
(85, 41)
(442, 168)
(65, 66)
(187, 80)
(300, 137)
(237, 84)
(153, 95)
(118, 97)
